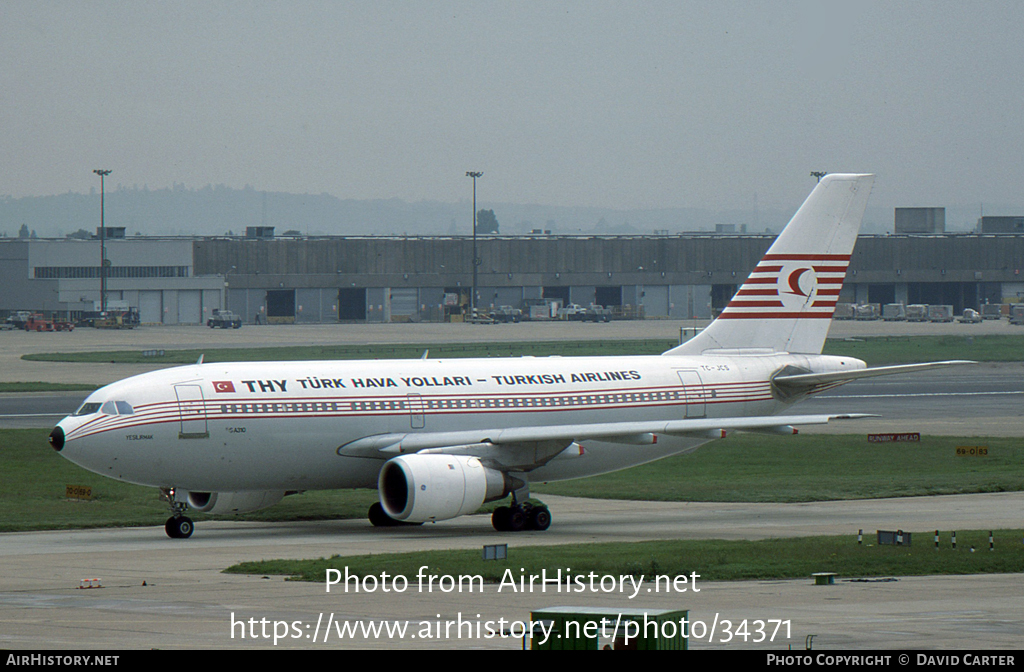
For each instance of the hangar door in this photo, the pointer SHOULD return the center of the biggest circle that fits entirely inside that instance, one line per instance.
(151, 307)
(655, 300)
(190, 306)
(405, 304)
(608, 296)
(281, 304)
(352, 304)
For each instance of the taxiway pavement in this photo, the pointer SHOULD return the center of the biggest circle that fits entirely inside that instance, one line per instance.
(165, 593)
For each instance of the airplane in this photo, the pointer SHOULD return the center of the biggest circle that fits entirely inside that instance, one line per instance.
(440, 437)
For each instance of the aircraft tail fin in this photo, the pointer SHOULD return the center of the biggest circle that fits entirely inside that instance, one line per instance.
(787, 302)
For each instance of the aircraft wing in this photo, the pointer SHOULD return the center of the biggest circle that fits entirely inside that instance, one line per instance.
(384, 446)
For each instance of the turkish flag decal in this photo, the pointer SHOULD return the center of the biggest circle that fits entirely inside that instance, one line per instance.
(223, 386)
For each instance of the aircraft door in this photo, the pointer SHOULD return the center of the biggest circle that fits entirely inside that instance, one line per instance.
(417, 419)
(192, 410)
(693, 391)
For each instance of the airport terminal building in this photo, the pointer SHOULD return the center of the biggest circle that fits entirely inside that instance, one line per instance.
(429, 278)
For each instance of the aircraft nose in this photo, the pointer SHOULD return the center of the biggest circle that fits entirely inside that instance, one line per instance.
(57, 438)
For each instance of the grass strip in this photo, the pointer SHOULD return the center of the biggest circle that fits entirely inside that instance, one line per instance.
(875, 351)
(20, 388)
(712, 560)
(742, 468)
(811, 467)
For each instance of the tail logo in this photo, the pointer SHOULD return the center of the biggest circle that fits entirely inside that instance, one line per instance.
(797, 287)
(788, 286)
(794, 282)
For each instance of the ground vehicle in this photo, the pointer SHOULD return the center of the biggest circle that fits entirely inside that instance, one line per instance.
(597, 314)
(224, 319)
(506, 314)
(112, 321)
(573, 311)
(17, 319)
(917, 312)
(992, 311)
(36, 322)
(894, 312)
(868, 311)
(113, 318)
(1017, 313)
(845, 311)
(970, 317)
(477, 316)
(940, 313)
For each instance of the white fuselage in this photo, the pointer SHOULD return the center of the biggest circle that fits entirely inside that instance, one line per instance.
(279, 425)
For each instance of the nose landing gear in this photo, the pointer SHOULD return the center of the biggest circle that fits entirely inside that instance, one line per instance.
(178, 526)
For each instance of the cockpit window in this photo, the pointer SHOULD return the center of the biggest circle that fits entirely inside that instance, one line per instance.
(87, 409)
(117, 408)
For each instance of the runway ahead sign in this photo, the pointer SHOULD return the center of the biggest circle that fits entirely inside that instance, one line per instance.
(894, 438)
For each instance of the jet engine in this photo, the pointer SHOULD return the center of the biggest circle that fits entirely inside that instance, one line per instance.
(421, 488)
(233, 502)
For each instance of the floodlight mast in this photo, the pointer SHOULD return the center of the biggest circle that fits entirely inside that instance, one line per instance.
(476, 260)
(103, 242)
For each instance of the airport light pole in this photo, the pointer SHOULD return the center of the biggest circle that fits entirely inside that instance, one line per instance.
(103, 242)
(819, 174)
(476, 261)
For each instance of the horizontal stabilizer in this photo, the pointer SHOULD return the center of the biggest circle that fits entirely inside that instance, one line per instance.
(809, 379)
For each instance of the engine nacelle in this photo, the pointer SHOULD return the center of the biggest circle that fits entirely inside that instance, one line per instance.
(233, 502)
(421, 488)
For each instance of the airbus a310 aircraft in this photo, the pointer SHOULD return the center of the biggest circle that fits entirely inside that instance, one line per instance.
(438, 438)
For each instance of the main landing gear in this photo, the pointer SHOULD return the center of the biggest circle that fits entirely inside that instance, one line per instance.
(521, 517)
(178, 526)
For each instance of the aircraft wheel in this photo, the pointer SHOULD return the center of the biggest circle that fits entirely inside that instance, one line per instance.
(499, 519)
(379, 518)
(179, 528)
(518, 520)
(540, 518)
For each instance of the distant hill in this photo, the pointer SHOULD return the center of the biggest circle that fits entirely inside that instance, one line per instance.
(217, 210)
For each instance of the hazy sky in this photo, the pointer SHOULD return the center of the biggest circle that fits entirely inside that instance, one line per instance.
(613, 104)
